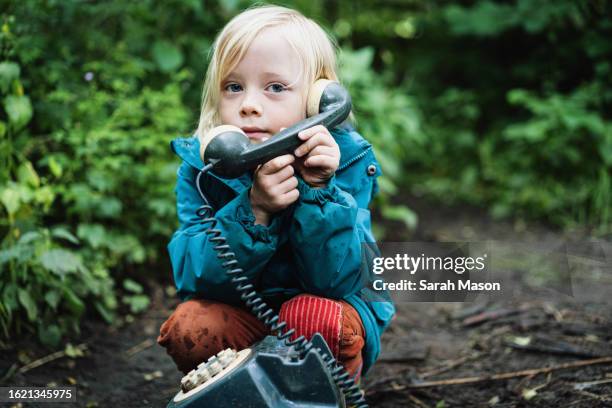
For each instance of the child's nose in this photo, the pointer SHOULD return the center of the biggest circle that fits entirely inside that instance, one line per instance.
(250, 105)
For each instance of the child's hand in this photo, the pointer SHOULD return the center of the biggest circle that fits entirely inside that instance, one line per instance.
(274, 188)
(318, 157)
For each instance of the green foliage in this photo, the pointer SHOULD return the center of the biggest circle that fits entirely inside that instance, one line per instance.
(571, 142)
(382, 113)
(538, 147)
(513, 100)
(136, 300)
(500, 104)
(46, 284)
(86, 186)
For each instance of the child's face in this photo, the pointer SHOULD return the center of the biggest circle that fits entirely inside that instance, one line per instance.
(255, 96)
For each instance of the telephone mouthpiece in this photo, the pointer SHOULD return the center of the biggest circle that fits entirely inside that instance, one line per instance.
(223, 147)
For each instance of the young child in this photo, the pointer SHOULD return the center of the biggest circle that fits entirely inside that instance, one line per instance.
(296, 224)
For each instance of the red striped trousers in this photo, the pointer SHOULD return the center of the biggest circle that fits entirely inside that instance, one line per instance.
(198, 329)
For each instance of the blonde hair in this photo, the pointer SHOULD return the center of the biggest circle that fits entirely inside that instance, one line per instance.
(313, 46)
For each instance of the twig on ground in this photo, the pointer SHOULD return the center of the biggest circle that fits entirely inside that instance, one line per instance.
(9, 373)
(139, 347)
(589, 384)
(449, 365)
(602, 398)
(417, 401)
(546, 344)
(512, 374)
(49, 358)
(490, 315)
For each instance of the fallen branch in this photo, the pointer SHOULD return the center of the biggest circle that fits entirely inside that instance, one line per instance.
(490, 315)
(602, 398)
(584, 385)
(417, 401)
(139, 347)
(512, 374)
(545, 344)
(46, 359)
(449, 366)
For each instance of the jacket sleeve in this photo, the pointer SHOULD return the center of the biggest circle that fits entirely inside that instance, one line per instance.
(196, 267)
(329, 228)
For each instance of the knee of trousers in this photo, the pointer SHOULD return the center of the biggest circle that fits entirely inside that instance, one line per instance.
(194, 332)
(309, 314)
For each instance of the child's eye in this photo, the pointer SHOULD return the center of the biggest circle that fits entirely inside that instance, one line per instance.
(233, 87)
(277, 88)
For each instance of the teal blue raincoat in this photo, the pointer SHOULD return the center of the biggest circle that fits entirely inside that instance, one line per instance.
(313, 246)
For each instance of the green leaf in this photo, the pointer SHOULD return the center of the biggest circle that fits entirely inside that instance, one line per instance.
(72, 351)
(605, 147)
(387, 186)
(110, 208)
(73, 302)
(521, 340)
(30, 236)
(137, 303)
(55, 167)
(94, 234)
(105, 312)
(132, 286)
(401, 213)
(167, 56)
(19, 110)
(50, 335)
(63, 233)
(9, 71)
(60, 261)
(27, 175)
(529, 393)
(11, 200)
(12, 252)
(52, 297)
(230, 5)
(9, 296)
(28, 303)
(485, 18)
(44, 195)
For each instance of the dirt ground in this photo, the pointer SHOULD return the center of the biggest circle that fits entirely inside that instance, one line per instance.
(427, 342)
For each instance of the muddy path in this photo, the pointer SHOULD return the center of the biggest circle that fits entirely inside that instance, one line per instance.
(122, 366)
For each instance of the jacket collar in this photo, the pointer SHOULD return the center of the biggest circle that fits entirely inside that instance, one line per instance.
(350, 142)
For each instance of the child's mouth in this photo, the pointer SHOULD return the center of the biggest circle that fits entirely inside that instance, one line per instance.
(258, 136)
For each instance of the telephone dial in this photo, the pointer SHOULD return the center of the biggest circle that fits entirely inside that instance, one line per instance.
(276, 372)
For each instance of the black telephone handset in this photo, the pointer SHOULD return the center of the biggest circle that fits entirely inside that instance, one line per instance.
(276, 372)
(231, 154)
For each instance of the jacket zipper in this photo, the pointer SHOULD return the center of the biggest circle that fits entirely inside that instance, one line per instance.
(354, 159)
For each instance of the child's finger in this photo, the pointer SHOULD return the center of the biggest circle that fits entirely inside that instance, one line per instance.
(291, 196)
(283, 174)
(287, 185)
(306, 133)
(318, 139)
(277, 163)
(324, 150)
(322, 161)
(269, 183)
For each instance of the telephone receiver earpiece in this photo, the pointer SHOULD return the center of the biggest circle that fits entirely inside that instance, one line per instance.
(231, 153)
